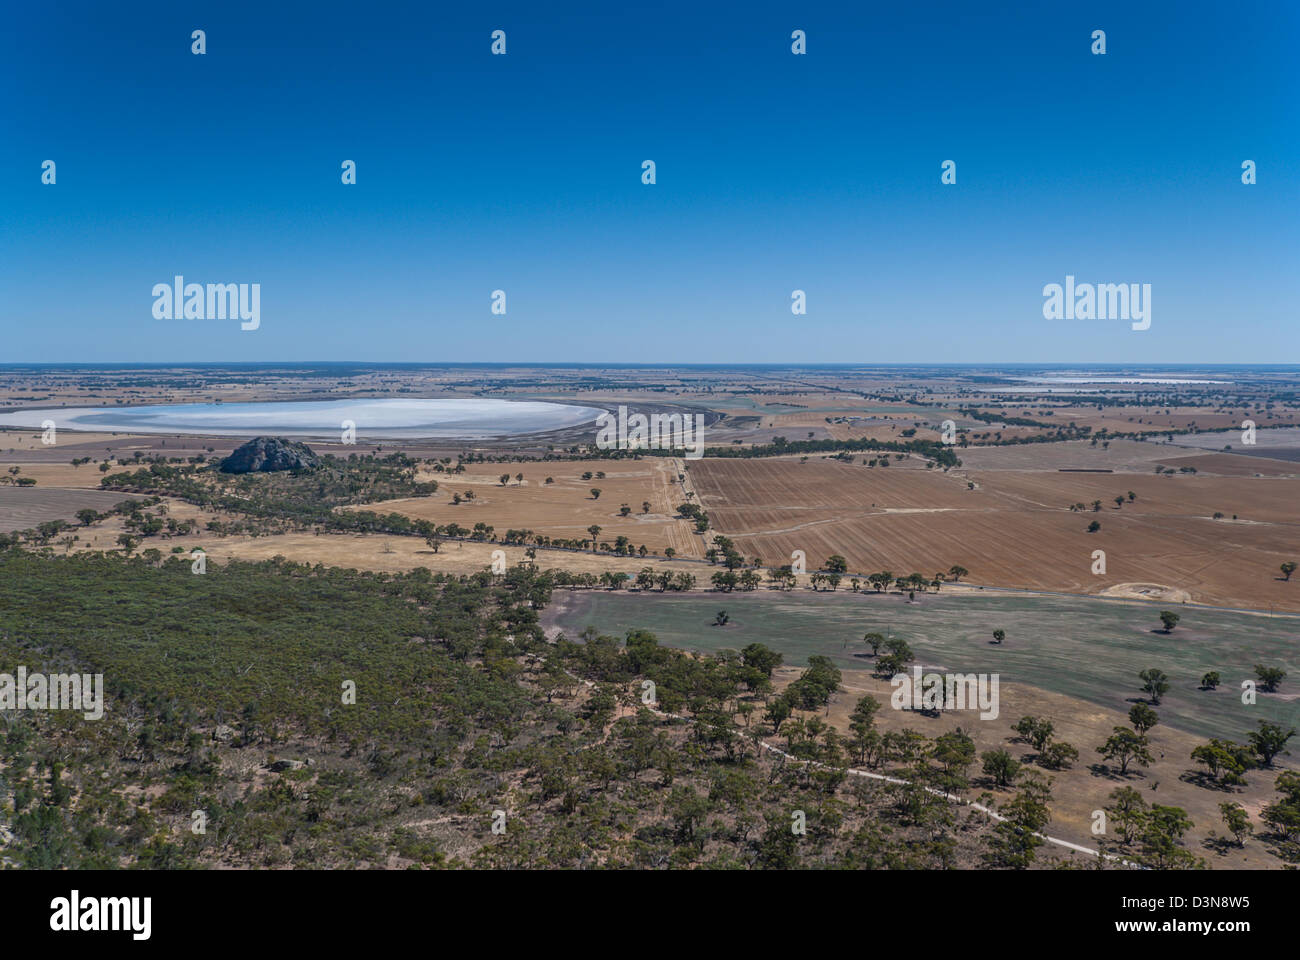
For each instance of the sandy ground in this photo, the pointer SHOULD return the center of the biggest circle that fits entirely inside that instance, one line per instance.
(67, 442)
(393, 554)
(1077, 792)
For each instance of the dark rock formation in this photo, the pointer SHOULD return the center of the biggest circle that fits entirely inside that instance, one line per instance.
(264, 454)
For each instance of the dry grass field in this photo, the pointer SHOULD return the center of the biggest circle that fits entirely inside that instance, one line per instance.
(23, 508)
(566, 508)
(401, 554)
(13, 441)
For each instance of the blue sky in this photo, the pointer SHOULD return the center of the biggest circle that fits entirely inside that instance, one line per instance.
(775, 172)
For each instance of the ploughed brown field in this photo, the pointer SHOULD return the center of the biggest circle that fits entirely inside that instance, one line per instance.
(1015, 527)
(1236, 465)
(22, 508)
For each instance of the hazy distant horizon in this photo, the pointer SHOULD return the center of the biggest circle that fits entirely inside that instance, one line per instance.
(1025, 365)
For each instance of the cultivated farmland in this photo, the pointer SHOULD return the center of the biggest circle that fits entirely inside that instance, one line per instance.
(1015, 528)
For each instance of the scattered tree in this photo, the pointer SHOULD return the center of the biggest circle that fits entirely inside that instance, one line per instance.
(1269, 677)
(1125, 747)
(1142, 717)
(1237, 821)
(1155, 684)
(1001, 766)
(1269, 741)
(1037, 731)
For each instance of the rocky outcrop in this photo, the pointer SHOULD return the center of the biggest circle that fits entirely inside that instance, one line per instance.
(265, 454)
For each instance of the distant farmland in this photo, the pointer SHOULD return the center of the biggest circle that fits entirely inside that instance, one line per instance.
(22, 508)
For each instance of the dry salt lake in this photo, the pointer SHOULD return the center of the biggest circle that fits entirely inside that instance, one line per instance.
(381, 419)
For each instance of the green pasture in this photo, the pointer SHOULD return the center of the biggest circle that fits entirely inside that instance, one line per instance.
(1080, 647)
